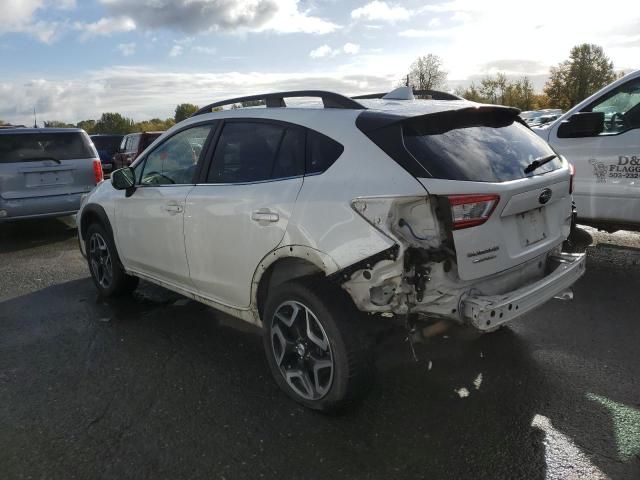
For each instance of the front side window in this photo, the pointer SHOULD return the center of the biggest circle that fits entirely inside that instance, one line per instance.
(621, 108)
(255, 151)
(174, 161)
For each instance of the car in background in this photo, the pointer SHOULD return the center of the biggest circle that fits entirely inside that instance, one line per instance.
(107, 146)
(45, 172)
(540, 117)
(131, 146)
(601, 138)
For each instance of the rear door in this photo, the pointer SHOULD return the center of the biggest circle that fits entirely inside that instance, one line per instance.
(607, 182)
(499, 215)
(40, 164)
(241, 211)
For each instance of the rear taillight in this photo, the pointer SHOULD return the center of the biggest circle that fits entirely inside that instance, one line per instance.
(471, 210)
(572, 173)
(97, 171)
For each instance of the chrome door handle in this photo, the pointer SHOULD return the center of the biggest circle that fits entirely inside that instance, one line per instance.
(264, 215)
(174, 209)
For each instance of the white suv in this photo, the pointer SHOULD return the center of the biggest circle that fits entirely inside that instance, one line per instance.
(311, 222)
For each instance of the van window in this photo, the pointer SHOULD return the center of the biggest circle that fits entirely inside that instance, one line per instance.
(31, 147)
(621, 108)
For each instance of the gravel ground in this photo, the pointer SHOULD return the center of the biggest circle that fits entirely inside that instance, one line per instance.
(156, 386)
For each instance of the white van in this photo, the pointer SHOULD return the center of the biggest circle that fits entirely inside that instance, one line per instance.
(601, 138)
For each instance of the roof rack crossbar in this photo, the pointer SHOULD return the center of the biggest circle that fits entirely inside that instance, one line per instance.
(434, 94)
(276, 100)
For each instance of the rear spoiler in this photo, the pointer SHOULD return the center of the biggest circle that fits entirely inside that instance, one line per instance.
(440, 122)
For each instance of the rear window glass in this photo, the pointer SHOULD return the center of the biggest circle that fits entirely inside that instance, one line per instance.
(31, 147)
(475, 147)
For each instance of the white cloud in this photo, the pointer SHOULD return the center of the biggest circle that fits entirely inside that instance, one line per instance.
(196, 16)
(289, 19)
(205, 50)
(143, 93)
(434, 22)
(351, 48)
(127, 49)
(105, 26)
(322, 51)
(19, 16)
(473, 34)
(381, 11)
(176, 51)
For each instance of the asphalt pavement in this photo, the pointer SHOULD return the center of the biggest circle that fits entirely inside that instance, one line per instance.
(158, 386)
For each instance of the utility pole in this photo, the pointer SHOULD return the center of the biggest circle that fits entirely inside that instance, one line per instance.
(35, 120)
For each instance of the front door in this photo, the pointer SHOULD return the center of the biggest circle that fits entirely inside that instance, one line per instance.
(150, 222)
(607, 178)
(241, 213)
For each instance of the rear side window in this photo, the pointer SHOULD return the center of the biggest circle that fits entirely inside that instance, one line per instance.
(31, 147)
(321, 152)
(253, 151)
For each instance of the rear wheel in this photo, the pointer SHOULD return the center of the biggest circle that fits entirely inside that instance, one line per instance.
(316, 345)
(104, 264)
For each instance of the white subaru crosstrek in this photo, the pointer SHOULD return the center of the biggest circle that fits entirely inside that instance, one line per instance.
(311, 222)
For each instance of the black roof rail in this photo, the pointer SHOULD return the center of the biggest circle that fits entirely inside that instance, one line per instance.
(434, 94)
(276, 100)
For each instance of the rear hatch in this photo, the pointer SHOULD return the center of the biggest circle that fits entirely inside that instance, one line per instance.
(474, 160)
(38, 164)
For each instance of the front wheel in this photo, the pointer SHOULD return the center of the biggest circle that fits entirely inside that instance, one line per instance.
(317, 345)
(106, 270)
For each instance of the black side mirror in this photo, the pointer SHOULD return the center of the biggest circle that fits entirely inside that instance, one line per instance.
(124, 179)
(582, 124)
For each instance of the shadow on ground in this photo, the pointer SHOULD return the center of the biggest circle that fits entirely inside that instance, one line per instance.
(24, 234)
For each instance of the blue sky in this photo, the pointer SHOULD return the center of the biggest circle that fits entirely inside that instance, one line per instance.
(74, 59)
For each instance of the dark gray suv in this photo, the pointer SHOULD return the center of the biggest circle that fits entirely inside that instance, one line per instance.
(45, 171)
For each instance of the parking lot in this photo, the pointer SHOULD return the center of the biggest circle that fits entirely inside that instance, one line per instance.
(157, 386)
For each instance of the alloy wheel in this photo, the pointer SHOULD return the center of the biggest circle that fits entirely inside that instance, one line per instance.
(100, 260)
(302, 350)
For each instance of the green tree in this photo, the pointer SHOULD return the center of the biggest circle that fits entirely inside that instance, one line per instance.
(86, 125)
(586, 71)
(184, 111)
(500, 90)
(154, 125)
(113, 123)
(57, 124)
(426, 73)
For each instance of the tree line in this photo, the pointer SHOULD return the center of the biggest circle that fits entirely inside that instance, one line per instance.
(585, 72)
(116, 123)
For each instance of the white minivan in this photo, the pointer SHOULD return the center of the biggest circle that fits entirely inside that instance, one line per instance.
(601, 138)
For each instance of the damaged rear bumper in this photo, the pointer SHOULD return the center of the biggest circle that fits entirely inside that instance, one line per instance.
(488, 312)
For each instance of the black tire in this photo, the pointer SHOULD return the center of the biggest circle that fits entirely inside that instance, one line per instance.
(349, 345)
(106, 270)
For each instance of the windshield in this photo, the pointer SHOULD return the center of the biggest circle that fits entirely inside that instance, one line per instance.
(475, 146)
(26, 147)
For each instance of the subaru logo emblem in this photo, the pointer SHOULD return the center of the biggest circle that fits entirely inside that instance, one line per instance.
(545, 196)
